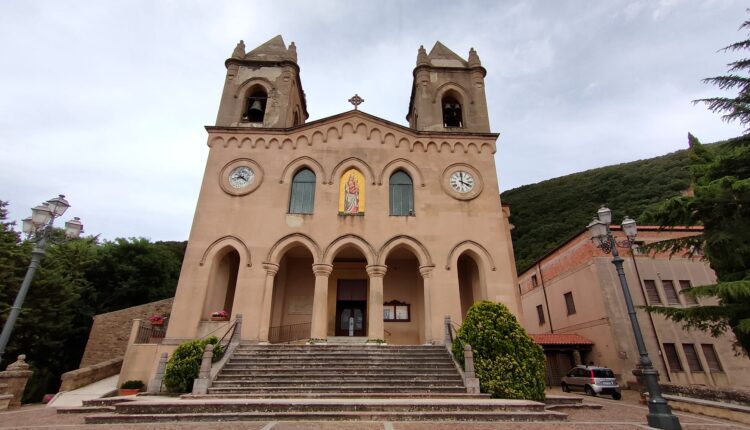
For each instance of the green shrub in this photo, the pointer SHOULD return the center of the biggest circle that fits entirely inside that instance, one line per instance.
(185, 363)
(132, 385)
(507, 362)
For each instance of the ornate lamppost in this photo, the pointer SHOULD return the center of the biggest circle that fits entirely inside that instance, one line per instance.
(659, 413)
(38, 228)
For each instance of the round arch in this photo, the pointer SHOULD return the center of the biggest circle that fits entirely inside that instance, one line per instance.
(297, 163)
(350, 240)
(403, 164)
(356, 163)
(284, 244)
(222, 246)
(413, 245)
(483, 256)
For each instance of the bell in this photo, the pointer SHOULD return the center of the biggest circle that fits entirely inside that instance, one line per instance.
(256, 107)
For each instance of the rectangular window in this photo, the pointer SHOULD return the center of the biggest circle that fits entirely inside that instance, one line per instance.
(694, 363)
(672, 358)
(540, 314)
(570, 304)
(651, 292)
(684, 285)
(714, 365)
(670, 293)
(534, 282)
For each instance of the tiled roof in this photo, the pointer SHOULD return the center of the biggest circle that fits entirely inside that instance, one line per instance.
(560, 339)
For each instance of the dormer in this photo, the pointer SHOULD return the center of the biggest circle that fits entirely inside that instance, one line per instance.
(448, 92)
(263, 88)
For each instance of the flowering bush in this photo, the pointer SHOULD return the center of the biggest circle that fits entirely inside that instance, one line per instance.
(220, 314)
(156, 319)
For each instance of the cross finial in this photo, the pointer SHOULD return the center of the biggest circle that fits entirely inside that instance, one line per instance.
(356, 101)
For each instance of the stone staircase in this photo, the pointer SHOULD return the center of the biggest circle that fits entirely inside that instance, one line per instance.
(324, 370)
(333, 382)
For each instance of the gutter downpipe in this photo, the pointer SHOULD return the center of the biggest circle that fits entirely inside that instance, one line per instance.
(544, 291)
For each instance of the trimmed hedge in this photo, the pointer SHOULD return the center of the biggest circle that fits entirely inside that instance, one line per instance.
(185, 363)
(507, 362)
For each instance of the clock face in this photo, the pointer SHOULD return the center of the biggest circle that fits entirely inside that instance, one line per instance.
(241, 177)
(462, 181)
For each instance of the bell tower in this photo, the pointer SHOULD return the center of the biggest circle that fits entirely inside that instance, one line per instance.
(263, 88)
(448, 92)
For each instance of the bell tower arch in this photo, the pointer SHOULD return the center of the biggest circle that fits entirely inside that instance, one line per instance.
(263, 88)
(448, 92)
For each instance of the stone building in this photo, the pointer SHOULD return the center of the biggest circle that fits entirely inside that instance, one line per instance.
(574, 307)
(347, 226)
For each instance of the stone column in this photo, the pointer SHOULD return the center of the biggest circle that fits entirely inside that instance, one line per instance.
(375, 302)
(426, 272)
(265, 310)
(15, 377)
(319, 323)
(202, 383)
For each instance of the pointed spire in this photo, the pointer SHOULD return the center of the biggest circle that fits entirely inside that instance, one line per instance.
(441, 55)
(422, 56)
(239, 50)
(474, 58)
(292, 51)
(273, 50)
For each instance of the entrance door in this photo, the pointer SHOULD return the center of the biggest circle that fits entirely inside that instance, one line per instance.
(351, 307)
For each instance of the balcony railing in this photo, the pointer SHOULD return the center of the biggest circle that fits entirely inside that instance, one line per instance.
(289, 333)
(149, 333)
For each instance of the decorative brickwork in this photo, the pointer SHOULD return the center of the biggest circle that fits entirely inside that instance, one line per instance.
(108, 338)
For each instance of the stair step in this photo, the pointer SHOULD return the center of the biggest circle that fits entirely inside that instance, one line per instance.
(292, 395)
(358, 379)
(317, 373)
(333, 383)
(339, 389)
(85, 409)
(328, 416)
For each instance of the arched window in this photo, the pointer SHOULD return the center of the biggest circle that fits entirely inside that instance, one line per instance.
(402, 194)
(255, 109)
(452, 115)
(302, 200)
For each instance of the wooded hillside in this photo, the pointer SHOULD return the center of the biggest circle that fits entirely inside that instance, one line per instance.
(548, 213)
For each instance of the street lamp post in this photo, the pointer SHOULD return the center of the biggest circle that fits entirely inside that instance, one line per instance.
(38, 227)
(659, 413)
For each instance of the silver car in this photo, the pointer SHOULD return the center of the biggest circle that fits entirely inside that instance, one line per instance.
(593, 380)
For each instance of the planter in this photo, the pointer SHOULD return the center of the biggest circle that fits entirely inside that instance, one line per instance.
(128, 391)
(219, 318)
(157, 323)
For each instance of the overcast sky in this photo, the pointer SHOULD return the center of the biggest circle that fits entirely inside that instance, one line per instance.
(105, 101)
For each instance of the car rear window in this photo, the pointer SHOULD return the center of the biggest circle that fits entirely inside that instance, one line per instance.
(603, 373)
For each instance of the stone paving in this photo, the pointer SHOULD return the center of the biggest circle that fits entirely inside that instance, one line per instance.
(625, 414)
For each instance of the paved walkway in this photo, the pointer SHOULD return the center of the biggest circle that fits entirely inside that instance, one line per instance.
(625, 414)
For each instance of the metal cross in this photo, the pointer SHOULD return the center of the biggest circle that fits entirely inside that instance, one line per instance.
(356, 101)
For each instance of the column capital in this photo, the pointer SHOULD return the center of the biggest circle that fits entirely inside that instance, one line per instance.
(426, 271)
(271, 268)
(322, 269)
(376, 270)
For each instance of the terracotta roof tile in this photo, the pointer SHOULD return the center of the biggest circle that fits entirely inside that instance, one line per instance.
(560, 339)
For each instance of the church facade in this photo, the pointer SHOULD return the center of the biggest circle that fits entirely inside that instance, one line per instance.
(350, 225)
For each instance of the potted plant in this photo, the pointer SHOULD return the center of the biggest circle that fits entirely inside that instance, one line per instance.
(220, 316)
(130, 388)
(157, 319)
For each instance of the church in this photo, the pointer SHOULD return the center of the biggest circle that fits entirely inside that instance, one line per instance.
(350, 227)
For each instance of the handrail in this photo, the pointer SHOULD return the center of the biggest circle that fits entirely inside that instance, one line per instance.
(231, 329)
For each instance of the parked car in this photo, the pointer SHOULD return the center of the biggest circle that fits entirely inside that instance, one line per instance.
(592, 380)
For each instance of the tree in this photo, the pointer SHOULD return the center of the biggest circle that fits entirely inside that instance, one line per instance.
(737, 108)
(721, 204)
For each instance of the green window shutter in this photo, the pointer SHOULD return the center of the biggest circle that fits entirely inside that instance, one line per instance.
(302, 200)
(401, 194)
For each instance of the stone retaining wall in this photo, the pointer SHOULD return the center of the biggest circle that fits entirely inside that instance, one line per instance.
(109, 334)
(90, 374)
(716, 394)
